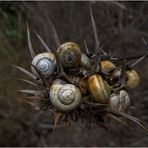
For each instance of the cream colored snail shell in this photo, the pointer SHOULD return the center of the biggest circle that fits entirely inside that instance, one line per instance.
(45, 63)
(119, 101)
(99, 88)
(65, 97)
(70, 54)
(133, 79)
(107, 66)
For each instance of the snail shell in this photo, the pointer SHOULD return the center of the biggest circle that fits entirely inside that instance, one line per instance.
(119, 101)
(133, 79)
(65, 97)
(99, 88)
(70, 54)
(107, 66)
(45, 64)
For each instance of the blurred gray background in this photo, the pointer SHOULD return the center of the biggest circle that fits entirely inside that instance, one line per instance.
(20, 125)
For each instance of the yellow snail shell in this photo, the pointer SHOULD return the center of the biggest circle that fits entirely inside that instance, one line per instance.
(70, 54)
(133, 79)
(107, 66)
(99, 88)
(65, 97)
(45, 63)
(119, 101)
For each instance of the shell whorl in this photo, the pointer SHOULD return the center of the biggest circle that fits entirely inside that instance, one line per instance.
(99, 88)
(65, 97)
(70, 54)
(45, 64)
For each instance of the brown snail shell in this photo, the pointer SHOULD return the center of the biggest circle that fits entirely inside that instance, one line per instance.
(70, 54)
(119, 101)
(65, 97)
(107, 66)
(45, 63)
(99, 88)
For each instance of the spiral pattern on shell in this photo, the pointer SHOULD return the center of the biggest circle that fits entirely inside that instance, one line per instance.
(70, 54)
(45, 63)
(65, 97)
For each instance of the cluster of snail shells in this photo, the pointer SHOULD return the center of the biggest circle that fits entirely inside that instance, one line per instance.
(67, 97)
(102, 92)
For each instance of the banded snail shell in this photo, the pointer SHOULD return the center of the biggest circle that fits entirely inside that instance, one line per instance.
(65, 97)
(70, 54)
(45, 63)
(119, 101)
(99, 88)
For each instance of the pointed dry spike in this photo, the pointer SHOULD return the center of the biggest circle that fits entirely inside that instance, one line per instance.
(30, 98)
(54, 33)
(26, 72)
(60, 68)
(118, 119)
(32, 53)
(31, 104)
(139, 60)
(105, 53)
(97, 49)
(33, 92)
(43, 43)
(110, 52)
(57, 116)
(129, 117)
(86, 47)
(27, 81)
(144, 41)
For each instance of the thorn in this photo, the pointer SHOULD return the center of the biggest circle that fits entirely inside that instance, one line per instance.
(27, 81)
(57, 116)
(138, 61)
(26, 72)
(32, 53)
(97, 49)
(86, 47)
(118, 119)
(32, 92)
(43, 43)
